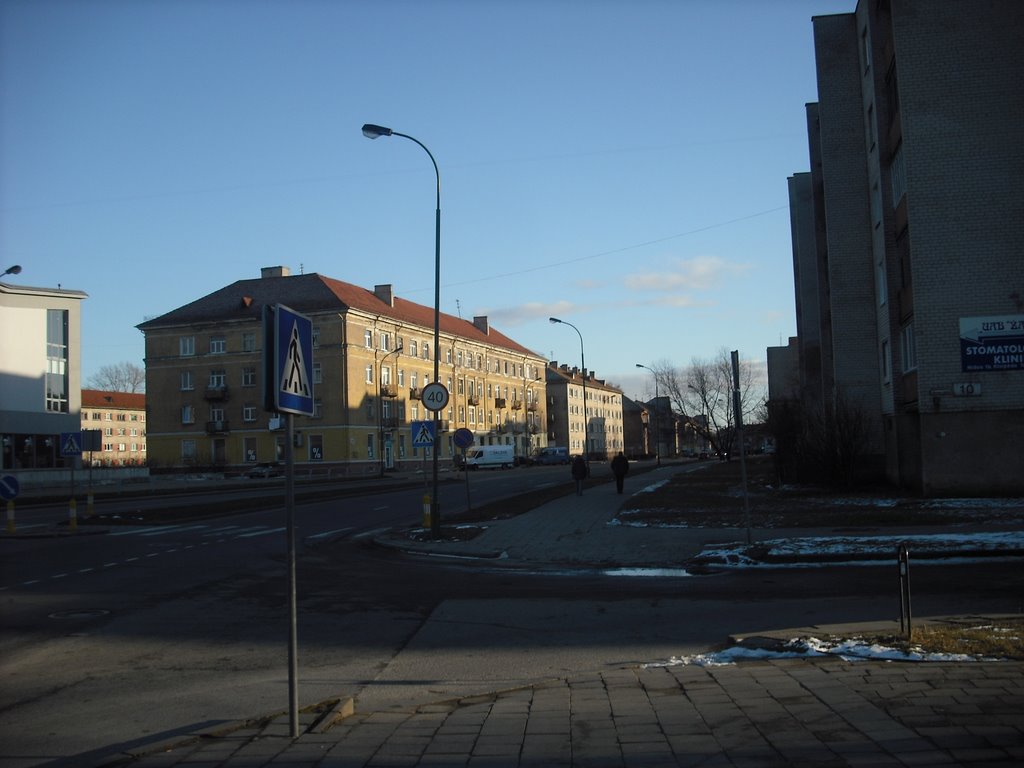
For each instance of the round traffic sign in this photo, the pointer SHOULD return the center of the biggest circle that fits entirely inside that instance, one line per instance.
(435, 396)
(463, 438)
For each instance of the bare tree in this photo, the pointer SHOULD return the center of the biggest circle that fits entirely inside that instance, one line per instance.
(120, 377)
(702, 394)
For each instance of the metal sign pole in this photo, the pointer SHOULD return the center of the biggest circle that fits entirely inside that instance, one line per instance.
(293, 634)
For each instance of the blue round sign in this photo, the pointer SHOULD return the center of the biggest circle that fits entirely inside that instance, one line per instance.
(9, 487)
(462, 438)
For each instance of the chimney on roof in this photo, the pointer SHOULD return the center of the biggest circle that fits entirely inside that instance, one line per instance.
(480, 321)
(385, 293)
(275, 272)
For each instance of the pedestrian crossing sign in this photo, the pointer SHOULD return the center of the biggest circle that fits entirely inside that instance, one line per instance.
(70, 443)
(422, 434)
(292, 379)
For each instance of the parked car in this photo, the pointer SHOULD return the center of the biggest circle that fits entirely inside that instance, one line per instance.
(553, 455)
(265, 469)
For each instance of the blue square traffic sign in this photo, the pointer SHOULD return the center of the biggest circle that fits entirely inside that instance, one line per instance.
(293, 356)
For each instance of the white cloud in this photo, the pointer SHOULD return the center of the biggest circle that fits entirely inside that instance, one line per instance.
(528, 312)
(701, 273)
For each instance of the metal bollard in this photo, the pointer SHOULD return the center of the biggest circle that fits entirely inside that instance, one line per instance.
(89, 508)
(426, 510)
(73, 515)
(10, 516)
(903, 561)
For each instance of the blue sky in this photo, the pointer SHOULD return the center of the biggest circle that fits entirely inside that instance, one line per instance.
(620, 164)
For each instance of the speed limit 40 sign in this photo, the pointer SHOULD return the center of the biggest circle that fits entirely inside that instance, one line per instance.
(435, 396)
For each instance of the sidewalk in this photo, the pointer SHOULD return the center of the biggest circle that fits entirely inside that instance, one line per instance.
(781, 712)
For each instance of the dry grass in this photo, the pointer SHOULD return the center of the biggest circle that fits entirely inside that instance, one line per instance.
(1000, 640)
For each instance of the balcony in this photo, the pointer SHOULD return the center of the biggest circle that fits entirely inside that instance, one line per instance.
(473, 400)
(216, 393)
(517, 405)
(388, 390)
(221, 427)
(415, 393)
(532, 407)
(499, 402)
(390, 422)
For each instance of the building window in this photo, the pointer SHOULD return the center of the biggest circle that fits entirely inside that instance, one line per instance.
(188, 414)
(886, 368)
(369, 446)
(369, 373)
(448, 356)
(248, 342)
(385, 342)
(401, 377)
(865, 49)
(368, 338)
(413, 349)
(317, 375)
(57, 361)
(318, 408)
(187, 346)
(187, 384)
(249, 413)
(898, 175)
(248, 377)
(426, 351)
(216, 414)
(316, 336)
(249, 449)
(188, 451)
(908, 348)
(316, 447)
(218, 346)
(385, 375)
(218, 379)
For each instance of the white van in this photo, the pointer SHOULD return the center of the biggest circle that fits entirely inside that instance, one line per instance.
(490, 456)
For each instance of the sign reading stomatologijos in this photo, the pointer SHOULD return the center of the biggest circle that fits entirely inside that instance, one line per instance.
(992, 343)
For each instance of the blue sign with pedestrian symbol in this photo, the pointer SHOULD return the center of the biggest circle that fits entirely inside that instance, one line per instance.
(293, 372)
(422, 434)
(70, 443)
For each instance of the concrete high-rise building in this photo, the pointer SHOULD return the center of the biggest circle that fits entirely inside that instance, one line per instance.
(908, 238)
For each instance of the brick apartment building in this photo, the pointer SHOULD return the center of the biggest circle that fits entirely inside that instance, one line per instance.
(120, 418)
(907, 239)
(372, 356)
(571, 424)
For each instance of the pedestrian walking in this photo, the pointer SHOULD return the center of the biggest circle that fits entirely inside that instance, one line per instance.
(579, 473)
(620, 467)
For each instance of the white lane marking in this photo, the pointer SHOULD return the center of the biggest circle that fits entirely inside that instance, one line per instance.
(259, 533)
(328, 533)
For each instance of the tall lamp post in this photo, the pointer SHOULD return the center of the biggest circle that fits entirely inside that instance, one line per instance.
(657, 429)
(380, 403)
(372, 131)
(583, 364)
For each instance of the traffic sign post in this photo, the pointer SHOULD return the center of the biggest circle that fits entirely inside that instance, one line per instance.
(71, 446)
(288, 389)
(463, 439)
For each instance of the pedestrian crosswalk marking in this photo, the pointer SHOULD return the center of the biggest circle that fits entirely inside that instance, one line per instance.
(294, 381)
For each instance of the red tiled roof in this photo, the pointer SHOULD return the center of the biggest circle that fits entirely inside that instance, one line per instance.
(98, 398)
(313, 293)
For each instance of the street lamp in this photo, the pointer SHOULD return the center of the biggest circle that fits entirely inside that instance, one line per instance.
(372, 131)
(583, 365)
(380, 404)
(657, 430)
(15, 270)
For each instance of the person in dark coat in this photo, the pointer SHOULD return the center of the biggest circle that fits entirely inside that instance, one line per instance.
(620, 466)
(579, 473)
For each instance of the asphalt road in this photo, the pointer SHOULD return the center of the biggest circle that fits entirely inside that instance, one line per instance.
(111, 641)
